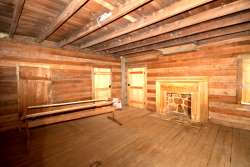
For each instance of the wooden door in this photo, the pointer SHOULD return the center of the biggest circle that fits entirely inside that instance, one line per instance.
(136, 87)
(35, 86)
(246, 81)
(102, 83)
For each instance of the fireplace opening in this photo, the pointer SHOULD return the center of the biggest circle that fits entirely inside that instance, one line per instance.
(178, 105)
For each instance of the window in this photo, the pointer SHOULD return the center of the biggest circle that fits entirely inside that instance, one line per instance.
(245, 98)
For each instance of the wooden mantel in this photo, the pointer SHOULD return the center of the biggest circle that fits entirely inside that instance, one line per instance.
(197, 86)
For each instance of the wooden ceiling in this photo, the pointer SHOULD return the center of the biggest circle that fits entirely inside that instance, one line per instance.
(130, 26)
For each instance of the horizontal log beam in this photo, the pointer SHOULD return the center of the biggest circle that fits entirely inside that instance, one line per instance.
(93, 26)
(72, 7)
(219, 42)
(16, 15)
(168, 27)
(109, 6)
(238, 29)
(179, 49)
(225, 21)
(169, 11)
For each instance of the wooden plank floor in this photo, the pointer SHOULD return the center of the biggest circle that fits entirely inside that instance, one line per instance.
(143, 141)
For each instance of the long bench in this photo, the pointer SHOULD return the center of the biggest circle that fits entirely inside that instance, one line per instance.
(47, 114)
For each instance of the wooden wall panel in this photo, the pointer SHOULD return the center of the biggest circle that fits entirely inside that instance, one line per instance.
(71, 84)
(8, 97)
(116, 82)
(218, 63)
(46, 75)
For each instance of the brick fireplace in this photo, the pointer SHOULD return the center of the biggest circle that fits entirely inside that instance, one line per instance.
(183, 95)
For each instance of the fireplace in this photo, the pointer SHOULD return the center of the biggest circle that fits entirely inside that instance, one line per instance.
(183, 95)
(178, 104)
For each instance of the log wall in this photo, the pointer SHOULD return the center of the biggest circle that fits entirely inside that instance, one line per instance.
(220, 64)
(32, 75)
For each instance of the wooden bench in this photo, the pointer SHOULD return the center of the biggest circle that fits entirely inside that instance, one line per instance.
(53, 113)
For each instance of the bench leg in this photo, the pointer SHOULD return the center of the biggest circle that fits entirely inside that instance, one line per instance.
(114, 119)
(19, 127)
(27, 131)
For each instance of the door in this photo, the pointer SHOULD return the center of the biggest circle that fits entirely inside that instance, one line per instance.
(102, 83)
(136, 87)
(34, 86)
(246, 81)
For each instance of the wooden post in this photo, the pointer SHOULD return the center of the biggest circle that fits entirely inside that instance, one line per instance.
(239, 80)
(123, 81)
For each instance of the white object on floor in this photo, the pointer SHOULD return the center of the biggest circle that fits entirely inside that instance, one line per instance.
(117, 103)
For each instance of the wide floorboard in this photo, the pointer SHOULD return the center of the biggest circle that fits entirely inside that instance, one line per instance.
(142, 141)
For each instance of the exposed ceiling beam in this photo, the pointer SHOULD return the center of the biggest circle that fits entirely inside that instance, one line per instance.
(218, 41)
(169, 11)
(225, 39)
(16, 15)
(168, 27)
(111, 7)
(178, 49)
(93, 26)
(225, 21)
(71, 8)
(241, 29)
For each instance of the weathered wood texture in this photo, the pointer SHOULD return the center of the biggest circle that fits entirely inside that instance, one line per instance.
(208, 20)
(142, 141)
(218, 63)
(16, 15)
(213, 35)
(8, 97)
(72, 7)
(46, 76)
(116, 14)
(169, 11)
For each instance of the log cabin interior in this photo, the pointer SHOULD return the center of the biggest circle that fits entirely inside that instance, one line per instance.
(125, 83)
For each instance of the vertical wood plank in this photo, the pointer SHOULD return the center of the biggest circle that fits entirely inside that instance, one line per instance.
(123, 81)
(239, 80)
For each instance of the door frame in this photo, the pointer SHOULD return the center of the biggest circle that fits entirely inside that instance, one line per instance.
(93, 80)
(145, 85)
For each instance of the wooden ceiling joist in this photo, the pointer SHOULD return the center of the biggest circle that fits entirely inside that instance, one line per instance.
(16, 15)
(225, 39)
(72, 7)
(178, 49)
(93, 26)
(111, 7)
(241, 30)
(169, 11)
(225, 21)
(192, 20)
(220, 42)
